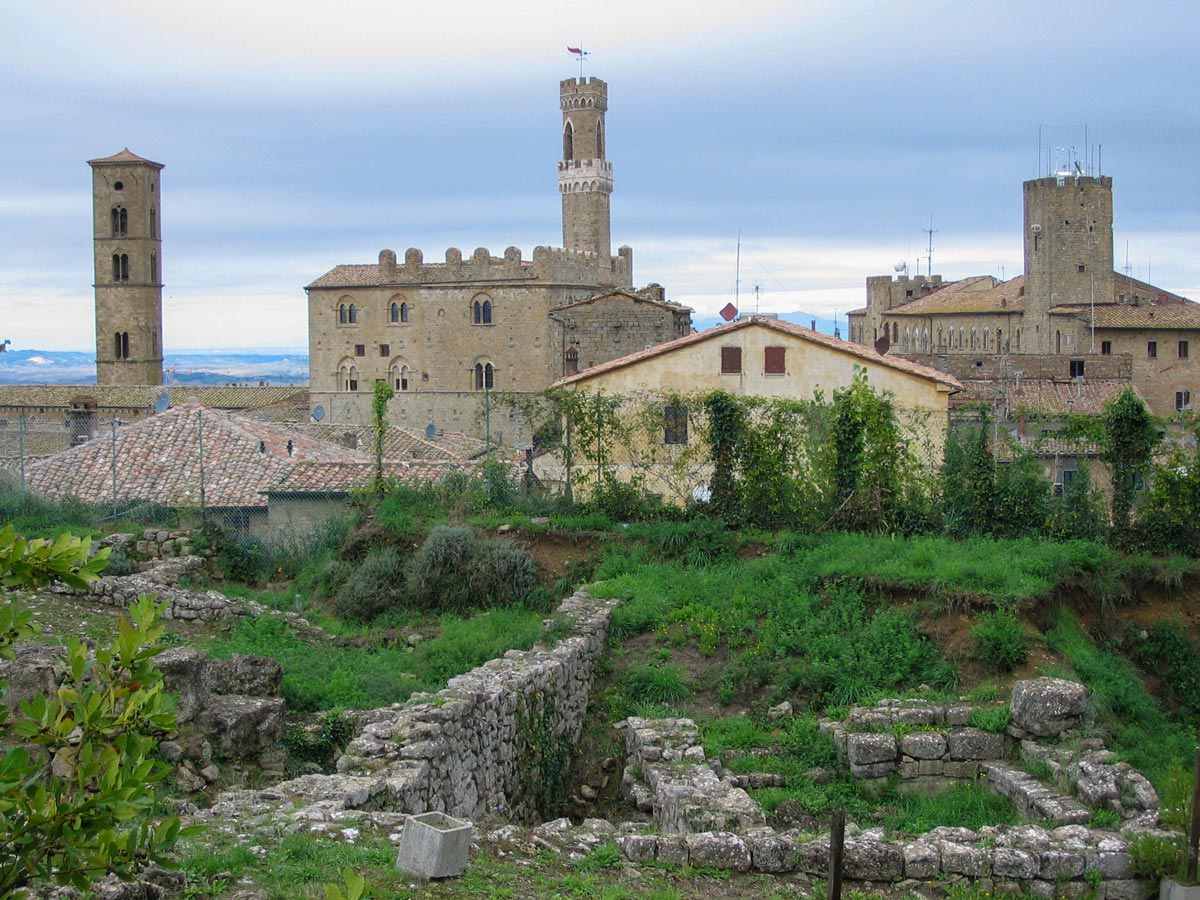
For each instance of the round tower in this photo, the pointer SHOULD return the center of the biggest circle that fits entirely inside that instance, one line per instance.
(585, 177)
(126, 223)
(1068, 250)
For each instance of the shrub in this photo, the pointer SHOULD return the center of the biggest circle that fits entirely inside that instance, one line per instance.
(376, 586)
(454, 569)
(1157, 857)
(1000, 642)
(995, 720)
(656, 684)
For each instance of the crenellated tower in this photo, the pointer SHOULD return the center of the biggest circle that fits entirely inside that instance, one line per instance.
(126, 218)
(1068, 250)
(585, 177)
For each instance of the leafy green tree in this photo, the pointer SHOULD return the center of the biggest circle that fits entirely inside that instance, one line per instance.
(1171, 520)
(380, 396)
(726, 424)
(1022, 498)
(1127, 446)
(1078, 513)
(75, 785)
(968, 480)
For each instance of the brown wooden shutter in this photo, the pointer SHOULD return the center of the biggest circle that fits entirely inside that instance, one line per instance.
(774, 362)
(731, 360)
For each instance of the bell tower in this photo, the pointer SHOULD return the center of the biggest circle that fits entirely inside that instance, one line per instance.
(126, 218)
(585, 177)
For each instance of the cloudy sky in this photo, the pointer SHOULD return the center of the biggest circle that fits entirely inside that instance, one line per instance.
(300, 135)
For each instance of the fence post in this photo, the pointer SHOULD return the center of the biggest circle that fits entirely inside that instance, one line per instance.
(837, 843)
(1194, 830)
(21, 455)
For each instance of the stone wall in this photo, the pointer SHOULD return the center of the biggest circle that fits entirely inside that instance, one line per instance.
(475, 748)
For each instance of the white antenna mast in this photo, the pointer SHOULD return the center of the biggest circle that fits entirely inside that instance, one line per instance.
(757, 288)
(931, 231)
(737, 271)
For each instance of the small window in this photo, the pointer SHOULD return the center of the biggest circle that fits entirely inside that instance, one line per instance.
(484, 376)
(121, 344)
(731, 360)
(385, 349)
(118, 186)
(360, 349)
(1183, 349)
(402, 381)
(1077, 368)
(403, 312)
(154, 268)
(774, 361)
(394, 313)
(120, 221)
(482, 312)
(1152, 349)
(342, 316)
(352, 314)
(1106, 348)
(1069, 476)
(675, 424)
(1082, 267)
(153, 222)
(1183, 400)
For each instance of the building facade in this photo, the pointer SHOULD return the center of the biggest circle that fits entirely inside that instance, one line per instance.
(444, 334)
(1070, 316)
(126, 222)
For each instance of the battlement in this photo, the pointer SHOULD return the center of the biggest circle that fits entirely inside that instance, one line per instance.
(549, 265)
(915, 280)
(583, 93)
(1104, 182)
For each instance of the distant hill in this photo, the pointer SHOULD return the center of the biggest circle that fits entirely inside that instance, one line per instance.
(285, 366)
(798, 317)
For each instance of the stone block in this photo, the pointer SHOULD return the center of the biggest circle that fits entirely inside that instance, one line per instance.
(874, 770)
(959, 715)
(1061, 864)
(925, 745)
(434, 845)
(1010, 862)
(1047, 707)
(718, 850)
(1128, 889)
(931, 768)
(960, 769)
(866, 859)
(240, 727)
(870, 749)
(638, 847)
(1169, 889)
(673, 850)
(975, 744)
(812, 857)
(959, 859)
(245, 675)
(922, 861)
(185, 673)
(771, 851)
(1110, 864)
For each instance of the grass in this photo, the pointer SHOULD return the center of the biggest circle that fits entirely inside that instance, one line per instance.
(965, 805)
(361, 675)
(1141, 731)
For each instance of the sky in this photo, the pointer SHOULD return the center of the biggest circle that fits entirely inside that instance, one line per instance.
(298, 136)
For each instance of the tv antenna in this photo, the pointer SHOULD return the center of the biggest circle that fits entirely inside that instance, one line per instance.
(930, 231)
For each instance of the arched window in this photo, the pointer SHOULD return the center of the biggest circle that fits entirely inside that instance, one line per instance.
(121, 345)
(568, 141)
(342, 314)
(485, 376)
(403, 312)
(999, 341)
(962, 338)
(939, 335)
(482, 312)
(394, 313)
(352, 314)
(985, 337)
(973, 337)
(895, 332)
(1058, 342)
(600, 138)
(153, 224)
(353, 379)
(120, 221)
(154, 268)
(120, 267)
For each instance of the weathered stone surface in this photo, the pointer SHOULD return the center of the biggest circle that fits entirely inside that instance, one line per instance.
(1110, 864)
(812, 857)
(927, 745)
(1059, 864)
(1047, 707)
(974, 744)
(1009, 862)
(251, 676)
(1128, 889)
(870, 749)
(771, 851)
(184, 672)
(922, 860)
(240, 727)
(867, 859)
(673, 850)
(963, 859)
(718, 850)
(638, 847)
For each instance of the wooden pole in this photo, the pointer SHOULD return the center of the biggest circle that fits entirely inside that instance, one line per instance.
(1194, 831)
(837, 843)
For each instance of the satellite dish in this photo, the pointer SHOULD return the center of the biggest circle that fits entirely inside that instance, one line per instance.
(430, 431)
(900, 266)
(163, 403)
(318, 413)
(1035, 228)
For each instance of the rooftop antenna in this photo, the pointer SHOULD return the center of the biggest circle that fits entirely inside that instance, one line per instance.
(580, 54)
(737, 271)
(931, 231)
(757, 288)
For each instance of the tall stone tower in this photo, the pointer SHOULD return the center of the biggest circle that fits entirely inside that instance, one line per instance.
(128, 248)
(1068, 251)
(585, 177)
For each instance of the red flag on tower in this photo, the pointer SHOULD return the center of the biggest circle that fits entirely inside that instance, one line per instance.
(577, 51)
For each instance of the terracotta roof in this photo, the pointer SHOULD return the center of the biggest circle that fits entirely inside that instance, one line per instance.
(145, 396)
(978, 294)
(158, 460)
(341, 478)
(632, 295)
(1155, 308)
(125, 156)
(365, 275)
(399, 444)
(864, 353)
(1045, 396)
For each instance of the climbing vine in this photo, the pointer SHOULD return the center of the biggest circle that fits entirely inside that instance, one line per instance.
(543, 761)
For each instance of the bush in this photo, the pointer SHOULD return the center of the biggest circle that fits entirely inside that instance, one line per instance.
(656, 684)
(1000, 641)
(1157, 857)
(456, 570)
(376, 586)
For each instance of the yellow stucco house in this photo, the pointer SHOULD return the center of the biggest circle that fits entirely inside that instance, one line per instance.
(758, 356)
